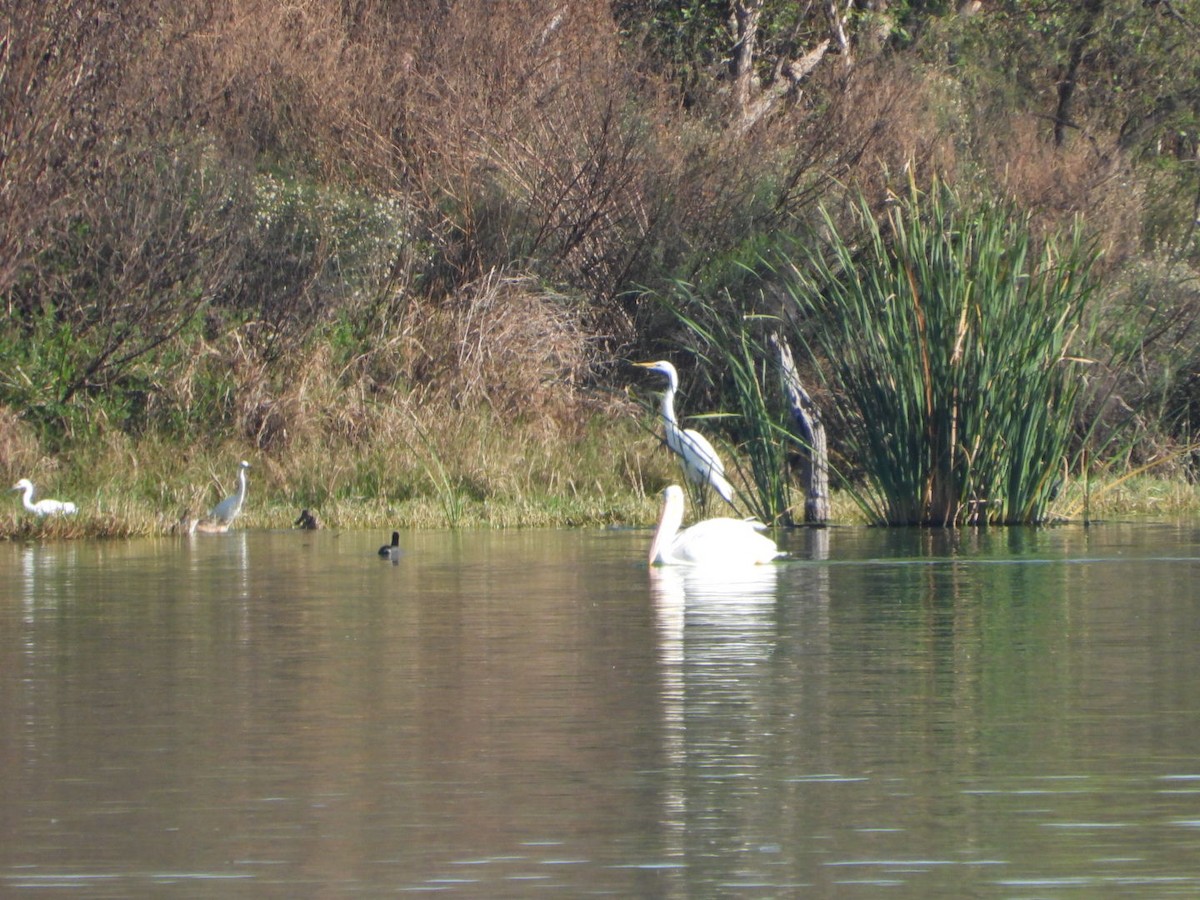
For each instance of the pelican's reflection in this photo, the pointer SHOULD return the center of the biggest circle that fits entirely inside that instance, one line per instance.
(729, 600)
(714, 628)
(711, 625)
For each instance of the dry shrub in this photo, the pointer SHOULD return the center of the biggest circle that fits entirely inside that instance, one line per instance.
(526, 131)
(308, 79)
(528, 123)
(61, 64)
(506, 341)
(20, 454)
(264, 410)
(1081, 178)
(884, 119)
(333, 404)
(378, 89)
(313, 401)
(224, 382)
(509, 126)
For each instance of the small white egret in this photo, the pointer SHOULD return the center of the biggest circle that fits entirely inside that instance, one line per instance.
(228, 509)
(719, 543)
(42, 507)
(392, 550)
(701, 464)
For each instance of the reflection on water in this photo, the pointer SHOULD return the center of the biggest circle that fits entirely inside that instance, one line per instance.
(908, 713)
(713, 627)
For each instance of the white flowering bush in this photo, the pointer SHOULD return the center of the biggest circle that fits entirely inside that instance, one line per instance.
(317, 252)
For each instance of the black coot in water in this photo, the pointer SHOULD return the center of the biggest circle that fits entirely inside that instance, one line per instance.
(392, 550)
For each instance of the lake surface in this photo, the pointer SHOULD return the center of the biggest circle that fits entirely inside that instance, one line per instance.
(890, 713)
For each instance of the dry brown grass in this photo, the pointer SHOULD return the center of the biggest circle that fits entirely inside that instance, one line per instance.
(504, 343)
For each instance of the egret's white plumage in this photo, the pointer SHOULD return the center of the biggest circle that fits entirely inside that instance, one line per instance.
(701, 464)
(392, 550)
(228, 509)
(42, 507)
(712, 542)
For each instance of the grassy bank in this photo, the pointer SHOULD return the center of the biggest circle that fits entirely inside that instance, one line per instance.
(1149, 499)
(436, 469)
(606, 473)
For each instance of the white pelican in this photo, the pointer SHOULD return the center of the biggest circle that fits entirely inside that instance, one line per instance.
(392, 550)
(228, 509)
(42, 507)
(713, 542)
(701, 464)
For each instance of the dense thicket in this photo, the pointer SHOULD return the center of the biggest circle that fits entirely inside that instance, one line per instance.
(269, 220)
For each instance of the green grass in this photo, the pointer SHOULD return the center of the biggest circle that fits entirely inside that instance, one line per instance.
(103, 515)
(465, 470)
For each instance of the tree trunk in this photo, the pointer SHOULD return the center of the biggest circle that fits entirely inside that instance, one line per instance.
(812, 429)
(1070, 74)
(838, 19)
(746, 14)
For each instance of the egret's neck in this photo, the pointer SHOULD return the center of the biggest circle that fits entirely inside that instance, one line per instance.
(27, 498)
(668, 404)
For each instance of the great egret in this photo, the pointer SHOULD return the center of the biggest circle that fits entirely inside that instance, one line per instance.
(42, 507)
(701, 464)
(712, 542)
(228, 509)
(392, 550)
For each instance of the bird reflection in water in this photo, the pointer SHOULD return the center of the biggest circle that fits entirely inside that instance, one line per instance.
(714, 629)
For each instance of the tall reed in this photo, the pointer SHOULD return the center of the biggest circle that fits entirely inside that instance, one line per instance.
(949, 334)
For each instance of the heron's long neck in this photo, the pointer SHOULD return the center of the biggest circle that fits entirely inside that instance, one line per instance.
(241, 485)
(27, 498)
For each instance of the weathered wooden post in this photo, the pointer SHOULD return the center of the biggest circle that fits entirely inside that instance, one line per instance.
(816, 461)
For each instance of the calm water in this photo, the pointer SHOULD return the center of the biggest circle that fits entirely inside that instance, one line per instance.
(512, 714)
